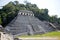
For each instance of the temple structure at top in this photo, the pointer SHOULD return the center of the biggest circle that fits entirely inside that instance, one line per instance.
(25, 12)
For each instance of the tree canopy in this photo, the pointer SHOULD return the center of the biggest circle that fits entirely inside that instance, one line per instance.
(10, 11)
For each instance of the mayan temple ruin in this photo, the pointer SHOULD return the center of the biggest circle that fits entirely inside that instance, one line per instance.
(25, 23)
(29, 20)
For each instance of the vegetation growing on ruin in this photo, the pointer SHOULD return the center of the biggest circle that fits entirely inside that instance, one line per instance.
(10, 11)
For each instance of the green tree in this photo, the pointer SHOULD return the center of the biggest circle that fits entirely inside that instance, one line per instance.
(54, 19)
(0, 20)
(9, 7)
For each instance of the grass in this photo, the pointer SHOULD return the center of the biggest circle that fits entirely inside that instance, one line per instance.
(50, 34)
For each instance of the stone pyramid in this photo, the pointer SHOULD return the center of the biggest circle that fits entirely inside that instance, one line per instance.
(26, 23)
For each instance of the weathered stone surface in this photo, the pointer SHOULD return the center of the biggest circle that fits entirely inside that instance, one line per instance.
(27, 24)
(6, 36)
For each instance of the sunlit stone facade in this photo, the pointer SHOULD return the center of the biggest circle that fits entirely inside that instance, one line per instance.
(26, 13)
(5, 36)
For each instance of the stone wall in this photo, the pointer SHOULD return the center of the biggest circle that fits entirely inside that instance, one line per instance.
(5, 36)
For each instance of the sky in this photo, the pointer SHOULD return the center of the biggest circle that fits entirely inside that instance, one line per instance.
(52, 5)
